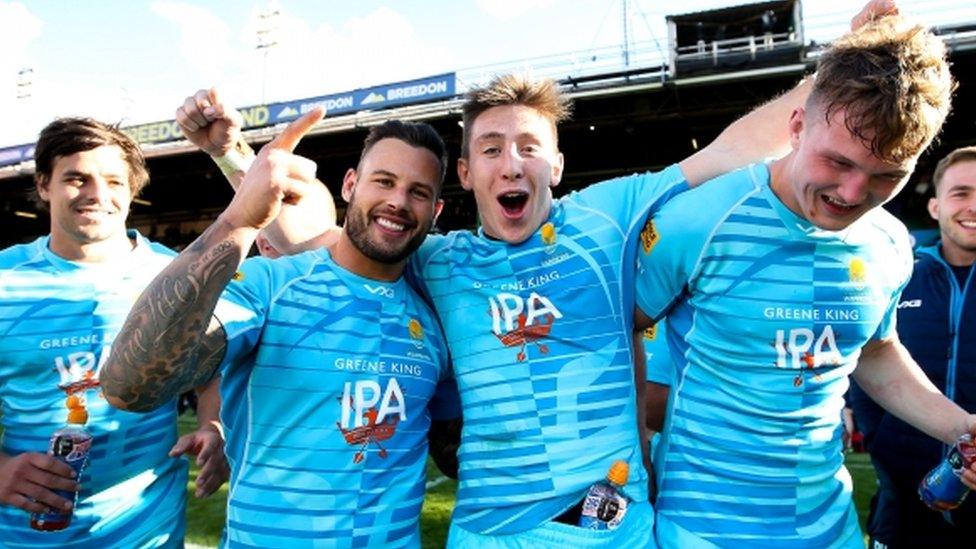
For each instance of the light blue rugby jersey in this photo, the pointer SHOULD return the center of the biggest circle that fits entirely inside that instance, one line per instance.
(660, 367)
(773, 313)
(326, 386)
(660, 370)
(57, 322)
(540, 340)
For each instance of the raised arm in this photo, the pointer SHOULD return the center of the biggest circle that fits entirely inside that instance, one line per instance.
(170, 342)
(890, 376)
(763, 133)
(215, 128)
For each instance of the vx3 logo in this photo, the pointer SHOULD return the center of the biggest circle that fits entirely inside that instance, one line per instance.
(379, 290)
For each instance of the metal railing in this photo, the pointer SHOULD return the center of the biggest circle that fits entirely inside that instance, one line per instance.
(574, 65)
(731, 46)
(643, 60)
(819, 29)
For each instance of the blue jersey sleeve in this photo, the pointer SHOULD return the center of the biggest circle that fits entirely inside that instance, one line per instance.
(629, 200)
(887, 326)
(903, 261)
(445, 404)
(243, 308)
(660, 368)
(666, 258)
(415, 265)
(673, 239)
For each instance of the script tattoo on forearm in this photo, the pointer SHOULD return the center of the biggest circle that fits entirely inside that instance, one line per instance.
(169, 342)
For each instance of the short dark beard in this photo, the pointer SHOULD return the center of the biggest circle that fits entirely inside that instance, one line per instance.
(357, 229)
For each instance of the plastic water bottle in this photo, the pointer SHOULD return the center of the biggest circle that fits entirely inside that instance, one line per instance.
(942, 489)
(604, 506)
(71, 445)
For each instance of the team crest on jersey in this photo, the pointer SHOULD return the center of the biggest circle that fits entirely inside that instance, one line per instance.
(238, 276)
(548, 234)
(415, 329)
(857, 271)
(649, 236)
(650, 334)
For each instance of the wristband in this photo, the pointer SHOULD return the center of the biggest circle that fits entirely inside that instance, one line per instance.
(237, 160)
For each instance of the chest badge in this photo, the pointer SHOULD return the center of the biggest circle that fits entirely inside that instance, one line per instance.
(548, 234)
(857, 272)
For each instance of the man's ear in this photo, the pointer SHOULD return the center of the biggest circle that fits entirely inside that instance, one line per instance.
(348, 183)
(462, 171)
(796, 125)
(933, 207)
(557, 170)
(42, 183)
(438, 207)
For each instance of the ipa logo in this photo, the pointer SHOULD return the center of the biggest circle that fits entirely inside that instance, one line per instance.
(361, 397)
(802, 348)
(517, 322)
(79, 371)
(362, 425)
(510, 311)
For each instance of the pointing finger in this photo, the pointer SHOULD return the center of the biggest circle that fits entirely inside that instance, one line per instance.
(183, 445)
(294, 132)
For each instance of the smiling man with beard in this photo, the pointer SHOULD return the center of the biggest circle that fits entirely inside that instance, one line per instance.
(330, 361)
(398, 232)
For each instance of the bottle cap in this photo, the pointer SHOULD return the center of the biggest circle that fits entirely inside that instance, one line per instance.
(618, 473)
(78, 416)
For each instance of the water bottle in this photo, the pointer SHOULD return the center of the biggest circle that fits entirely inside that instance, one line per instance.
(71, 445)
(604, 506)
(942, 489)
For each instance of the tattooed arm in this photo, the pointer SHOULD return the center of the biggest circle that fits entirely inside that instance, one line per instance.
(170, 342)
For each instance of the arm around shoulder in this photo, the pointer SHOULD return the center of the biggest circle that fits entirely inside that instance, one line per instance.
(761, 134)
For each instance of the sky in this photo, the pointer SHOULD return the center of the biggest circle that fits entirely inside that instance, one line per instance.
(135, 61)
